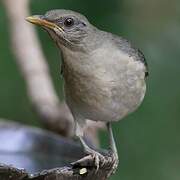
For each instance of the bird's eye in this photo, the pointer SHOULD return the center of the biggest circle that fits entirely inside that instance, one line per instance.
(69, 22)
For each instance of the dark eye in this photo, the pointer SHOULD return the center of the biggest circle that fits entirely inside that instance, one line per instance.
(69, 22)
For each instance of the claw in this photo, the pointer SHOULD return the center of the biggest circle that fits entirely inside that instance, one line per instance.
(114, 163)
(93, 158)
(96, 161)
(98, 158)
(83, 162)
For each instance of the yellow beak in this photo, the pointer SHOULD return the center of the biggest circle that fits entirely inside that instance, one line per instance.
(42, 22)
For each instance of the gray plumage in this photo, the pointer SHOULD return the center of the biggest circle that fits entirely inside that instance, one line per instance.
(104, 74)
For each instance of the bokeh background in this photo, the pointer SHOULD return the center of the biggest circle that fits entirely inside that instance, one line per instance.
(148, 140)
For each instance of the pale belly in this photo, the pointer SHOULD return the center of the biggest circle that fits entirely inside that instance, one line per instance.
(104, 89)
(104, 98)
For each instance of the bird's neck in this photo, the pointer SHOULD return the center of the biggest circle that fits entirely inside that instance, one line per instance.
(90, 42)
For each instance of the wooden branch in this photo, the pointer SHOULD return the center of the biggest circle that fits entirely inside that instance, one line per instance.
(27, 142)
(65, 173)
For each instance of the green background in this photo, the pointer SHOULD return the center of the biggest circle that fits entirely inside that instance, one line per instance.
(148, 140)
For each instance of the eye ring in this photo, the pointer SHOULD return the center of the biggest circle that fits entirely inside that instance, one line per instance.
(69, 22)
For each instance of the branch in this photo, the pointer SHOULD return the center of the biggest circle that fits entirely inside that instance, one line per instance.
(37, 156)
(65, 173)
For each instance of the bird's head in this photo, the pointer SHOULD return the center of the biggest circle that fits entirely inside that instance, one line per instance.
(66, 27)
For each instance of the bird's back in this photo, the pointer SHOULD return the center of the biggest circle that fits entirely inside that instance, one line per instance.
(127, 47)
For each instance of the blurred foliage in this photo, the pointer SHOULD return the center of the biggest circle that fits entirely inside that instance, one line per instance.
(148, 140)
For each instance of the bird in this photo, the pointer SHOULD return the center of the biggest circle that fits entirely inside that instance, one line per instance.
(104, 74)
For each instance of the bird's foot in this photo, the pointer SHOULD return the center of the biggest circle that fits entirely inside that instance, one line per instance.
(98, 158)
(93, 158)
(114, 162)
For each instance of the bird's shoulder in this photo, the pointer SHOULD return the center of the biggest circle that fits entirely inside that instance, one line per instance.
(127, 47)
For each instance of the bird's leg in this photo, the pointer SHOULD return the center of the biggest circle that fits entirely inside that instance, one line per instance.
(95, 155)
(113, 147)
